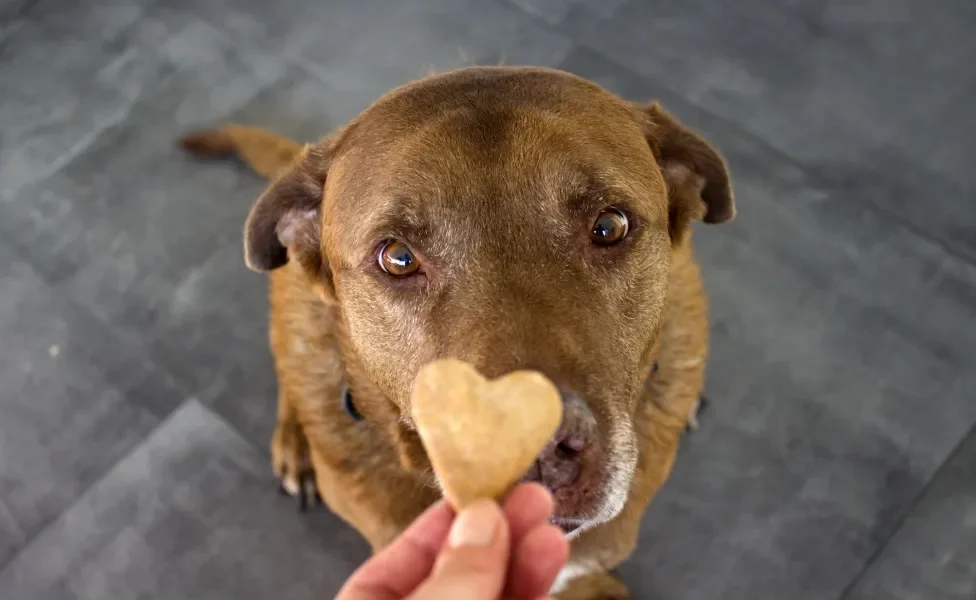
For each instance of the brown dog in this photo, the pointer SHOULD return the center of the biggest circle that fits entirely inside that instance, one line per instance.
(511, 217)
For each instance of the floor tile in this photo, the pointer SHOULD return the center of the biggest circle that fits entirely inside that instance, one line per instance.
(554, 12)
(839, 378)
(370, 46)
(192, 513)
(153, 242)
(869, 94)
(149, 239)
(11, 11)
(933, 555)
(64, 78)
(74, 400)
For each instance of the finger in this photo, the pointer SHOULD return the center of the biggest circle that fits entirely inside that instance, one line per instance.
(527, 506)
(536, 561)
(473, 563)
(399, 568)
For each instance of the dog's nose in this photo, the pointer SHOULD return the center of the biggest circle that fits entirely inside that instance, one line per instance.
(558, 465)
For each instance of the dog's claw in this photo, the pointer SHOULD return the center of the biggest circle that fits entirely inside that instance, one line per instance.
(302, 488)
(306, 492)
(696, 412)
(302, 495)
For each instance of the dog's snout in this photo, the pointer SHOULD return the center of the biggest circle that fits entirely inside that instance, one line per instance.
(578, 428)
(560, 463)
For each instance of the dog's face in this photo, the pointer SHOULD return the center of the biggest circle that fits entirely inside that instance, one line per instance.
(512, 218)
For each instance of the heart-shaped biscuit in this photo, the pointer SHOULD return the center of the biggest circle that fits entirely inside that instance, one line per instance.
(481, 436)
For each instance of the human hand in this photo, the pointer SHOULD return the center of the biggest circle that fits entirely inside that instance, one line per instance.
(488, 552)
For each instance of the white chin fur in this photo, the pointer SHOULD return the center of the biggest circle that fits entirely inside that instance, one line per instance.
(622, 463)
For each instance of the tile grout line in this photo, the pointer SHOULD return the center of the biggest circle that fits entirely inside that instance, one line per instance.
(858, 577)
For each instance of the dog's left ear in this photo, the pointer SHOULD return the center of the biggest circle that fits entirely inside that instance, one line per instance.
(284, 222)
(695, 173)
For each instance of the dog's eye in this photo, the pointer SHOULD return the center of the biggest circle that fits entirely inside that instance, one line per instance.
(397, 260)
(610, 227)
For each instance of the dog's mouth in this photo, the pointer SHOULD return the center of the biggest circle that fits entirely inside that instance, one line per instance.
(577, 485)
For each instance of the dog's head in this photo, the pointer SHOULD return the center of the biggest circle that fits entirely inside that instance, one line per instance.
(514, 218)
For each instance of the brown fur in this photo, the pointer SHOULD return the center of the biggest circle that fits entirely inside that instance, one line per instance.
(491, 175)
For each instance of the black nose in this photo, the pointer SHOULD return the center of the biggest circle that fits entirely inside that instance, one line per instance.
(558, 465)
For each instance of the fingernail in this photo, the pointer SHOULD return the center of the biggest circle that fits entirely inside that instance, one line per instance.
(475, 526)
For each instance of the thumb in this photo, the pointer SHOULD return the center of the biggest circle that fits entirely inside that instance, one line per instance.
(474, 561)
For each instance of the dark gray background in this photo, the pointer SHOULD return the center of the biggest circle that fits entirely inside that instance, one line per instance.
(838, 459)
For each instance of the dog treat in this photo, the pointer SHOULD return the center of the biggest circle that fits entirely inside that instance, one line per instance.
(482, 436)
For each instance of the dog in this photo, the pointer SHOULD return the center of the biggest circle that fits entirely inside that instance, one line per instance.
(512, 217)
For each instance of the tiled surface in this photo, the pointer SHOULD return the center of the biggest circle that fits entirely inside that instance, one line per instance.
(872, 95)
(934, 553)
(75, 400)
(367, 47)
(186, 515)
(843, 297)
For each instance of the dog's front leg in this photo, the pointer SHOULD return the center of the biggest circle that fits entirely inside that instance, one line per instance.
(290, 455)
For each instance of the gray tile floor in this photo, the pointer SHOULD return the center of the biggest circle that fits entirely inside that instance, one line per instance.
(136, 397)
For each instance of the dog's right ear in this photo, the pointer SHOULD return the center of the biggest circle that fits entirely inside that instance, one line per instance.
(284, 223)
(697, 177)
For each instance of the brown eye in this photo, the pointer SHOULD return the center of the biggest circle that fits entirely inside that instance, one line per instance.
(397, 260)
(610, 227)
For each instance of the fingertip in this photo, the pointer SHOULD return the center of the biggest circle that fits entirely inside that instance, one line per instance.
(431, 528)
(475, 557)
(532, 493)
(551, 540)
(478, 525)
(526, 506)
(536, 562)
(403, 564)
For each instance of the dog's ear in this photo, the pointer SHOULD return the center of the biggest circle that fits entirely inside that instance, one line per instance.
(284, 223)
(695, 173)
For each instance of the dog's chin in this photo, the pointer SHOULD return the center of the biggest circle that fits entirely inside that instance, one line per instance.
(573, 527)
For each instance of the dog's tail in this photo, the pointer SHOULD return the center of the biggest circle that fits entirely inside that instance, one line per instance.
(266, 152)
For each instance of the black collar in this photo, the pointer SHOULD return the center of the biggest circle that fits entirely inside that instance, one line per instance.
(349, 406)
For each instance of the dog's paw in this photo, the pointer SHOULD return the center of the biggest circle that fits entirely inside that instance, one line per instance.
(291, 464)
(696, 411)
